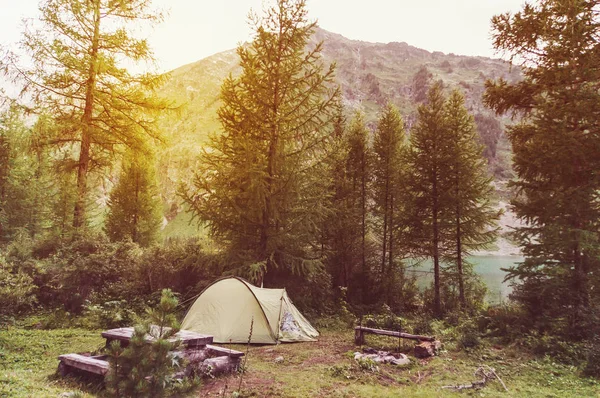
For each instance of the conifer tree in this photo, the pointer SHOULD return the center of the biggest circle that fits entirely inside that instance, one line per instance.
(429, 161)
(24, 177)
(76, 53)
(556, 156)
(339, 226)
(389, 174)
(146, 369)
(134, 204)
(259, 186)
(471, 190)
(358, 174)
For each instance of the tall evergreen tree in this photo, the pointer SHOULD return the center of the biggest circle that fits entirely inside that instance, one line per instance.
(24, 177)
(389, 149)
(77, 76)
(471, 190)
(556, 148)
(339, 226)
(259, 189)
(358, 174)
(429, 161)
(134, 204)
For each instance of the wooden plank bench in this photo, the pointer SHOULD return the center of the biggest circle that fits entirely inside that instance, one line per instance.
(220, 351)
(359, 334)
(94, 365)
(188, 338)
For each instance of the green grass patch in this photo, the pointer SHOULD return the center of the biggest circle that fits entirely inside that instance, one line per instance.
(28, 360)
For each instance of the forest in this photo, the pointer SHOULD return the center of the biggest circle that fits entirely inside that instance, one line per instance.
(111, 216)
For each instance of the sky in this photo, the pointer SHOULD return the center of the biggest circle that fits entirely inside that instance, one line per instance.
(195, 29)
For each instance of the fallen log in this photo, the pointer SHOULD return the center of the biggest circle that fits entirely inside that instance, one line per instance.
(218, 365)
(359, 332)
(486, 373)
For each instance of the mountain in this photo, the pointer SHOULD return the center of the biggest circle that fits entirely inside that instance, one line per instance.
(369, 74)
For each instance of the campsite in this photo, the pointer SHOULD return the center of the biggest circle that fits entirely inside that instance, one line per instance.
(299, 198)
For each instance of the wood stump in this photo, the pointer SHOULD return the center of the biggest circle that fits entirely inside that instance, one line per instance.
(427, 349)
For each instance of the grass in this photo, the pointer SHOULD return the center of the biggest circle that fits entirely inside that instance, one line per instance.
(322, 369)
(28, 361)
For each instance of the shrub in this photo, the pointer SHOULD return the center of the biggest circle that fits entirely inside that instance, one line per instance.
(17, 292)
(108, 315)
(468, 335)
(385, 319)
(182, 266)
(144, 369)
(508, 322)
(88, 265)
(592, 366)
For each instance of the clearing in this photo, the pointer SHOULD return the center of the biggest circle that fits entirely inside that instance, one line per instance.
(28, 361)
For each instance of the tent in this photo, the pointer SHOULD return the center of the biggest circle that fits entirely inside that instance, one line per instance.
(226, 308)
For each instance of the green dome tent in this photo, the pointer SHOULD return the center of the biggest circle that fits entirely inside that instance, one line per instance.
(226, 308)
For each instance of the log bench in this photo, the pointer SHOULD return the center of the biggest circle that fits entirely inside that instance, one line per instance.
(97, 365)
(359, 334)
(188, 338)
(201, 357)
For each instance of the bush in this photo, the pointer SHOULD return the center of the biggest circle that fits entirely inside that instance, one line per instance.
(385, 319)
(90, 265)
(468, 335)
(555, 347)
(592, 366)
(17, 292)
(182, 266)
(108, 315)
(508, 322)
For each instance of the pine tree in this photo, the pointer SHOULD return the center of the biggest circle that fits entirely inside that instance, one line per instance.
(24, 177)
(389, 173)
(358, 174)
(134, 204)
(338, 226)
(471, 190)
(77, 77)
(429, 161)
(259, 189)
(556, 156)
(146, 369)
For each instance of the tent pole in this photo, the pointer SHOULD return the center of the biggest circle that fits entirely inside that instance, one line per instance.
(279, 319)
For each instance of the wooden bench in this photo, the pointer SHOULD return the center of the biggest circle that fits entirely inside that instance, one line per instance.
(188, 338)
(359, 334)
(220, 351)
(96, 365)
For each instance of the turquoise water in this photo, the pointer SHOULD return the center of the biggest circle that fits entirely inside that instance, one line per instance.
(489, 267)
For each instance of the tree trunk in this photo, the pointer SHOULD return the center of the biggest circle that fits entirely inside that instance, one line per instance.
(79, 215)
(459, 264)
(136, 210)
(391, 246)
(437, 303)
(364, 222)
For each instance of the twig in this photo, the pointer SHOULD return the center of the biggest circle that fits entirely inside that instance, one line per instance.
(243, 369)
(487, 373)
(499, 379)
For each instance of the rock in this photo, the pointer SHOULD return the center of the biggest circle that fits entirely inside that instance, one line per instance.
(369, 350)
(427, 349)
(279, 359)
(384, 357)
(401, 360)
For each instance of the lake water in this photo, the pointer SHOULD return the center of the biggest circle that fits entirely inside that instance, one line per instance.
(489, 267)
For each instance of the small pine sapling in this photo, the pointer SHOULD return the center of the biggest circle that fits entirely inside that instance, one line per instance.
(146, 367)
